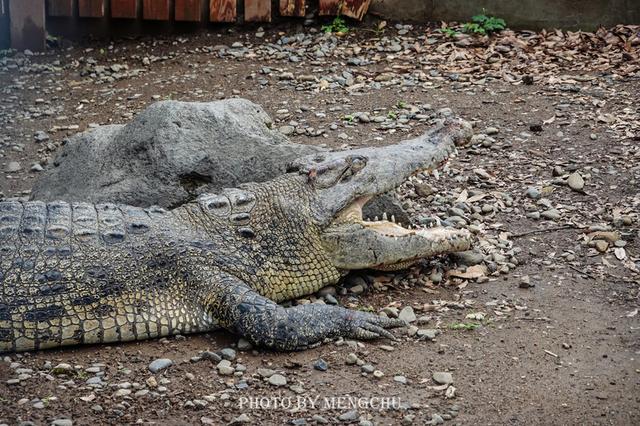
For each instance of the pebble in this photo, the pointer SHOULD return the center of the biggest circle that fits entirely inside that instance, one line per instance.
(427, 333)
(533, 193)
(468, 258)
(13, 167)
(244, 345)
(443, 377)
(224, 368)
(228, 354)
(551, 214)
(400, 379)
(320, 365)
(160, 364)
(351, 359)
(287, 130)
(407, 315)
(277, 380)
(349, 416)
(319, 419)
(62, 422)
(601, 246)
(241, 419)
(575, 182)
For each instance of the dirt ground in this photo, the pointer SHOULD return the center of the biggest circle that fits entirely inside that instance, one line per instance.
(565, 350)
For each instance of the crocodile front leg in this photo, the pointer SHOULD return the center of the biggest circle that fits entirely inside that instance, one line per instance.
(264, 323)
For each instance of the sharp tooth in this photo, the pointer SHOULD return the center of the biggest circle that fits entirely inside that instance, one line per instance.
(384, 216)
(393, 219)
(375, 218)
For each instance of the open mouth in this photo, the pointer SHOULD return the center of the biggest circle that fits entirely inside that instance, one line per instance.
(396, 247)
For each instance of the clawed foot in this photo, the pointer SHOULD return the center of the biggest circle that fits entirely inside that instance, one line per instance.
(367, 326)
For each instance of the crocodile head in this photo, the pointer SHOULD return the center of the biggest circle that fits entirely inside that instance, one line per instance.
(345, 181)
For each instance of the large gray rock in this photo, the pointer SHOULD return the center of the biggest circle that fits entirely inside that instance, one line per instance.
(170, 153)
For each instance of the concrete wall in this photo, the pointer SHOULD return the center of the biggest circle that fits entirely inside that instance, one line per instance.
(519, 14)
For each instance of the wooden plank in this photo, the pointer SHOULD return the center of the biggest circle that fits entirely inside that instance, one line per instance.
(124, 9)
(329, 7)
(257, 10)
(157, 10)
(60, 7)
(292, 8)
(188, 10)
(91, 8)
(222, 10)
(27, 24)
(355, 8)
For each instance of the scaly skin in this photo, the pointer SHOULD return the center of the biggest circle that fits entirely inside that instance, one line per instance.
(82, 273)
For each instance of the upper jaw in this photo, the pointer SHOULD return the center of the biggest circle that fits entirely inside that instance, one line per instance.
(380, 169)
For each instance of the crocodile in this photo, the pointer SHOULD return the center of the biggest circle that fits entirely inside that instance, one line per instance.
(81, 273)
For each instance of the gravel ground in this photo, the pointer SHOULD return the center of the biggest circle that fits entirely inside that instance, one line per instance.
(537, 325)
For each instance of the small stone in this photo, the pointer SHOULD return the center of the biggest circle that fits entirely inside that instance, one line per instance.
(551, 214)
(287, 130)
(349, 416)
(367, 368)
(443, 377)
(601, 246)
(13, 167)
(357, 289)
(400, 379)
(407, 315)
(436, 419)
(351, 359)
(427, 333)
(62, 422)
(575, 182)
(320, 365)
(319, 419)
(408, 419)
(278, 380)
(241, 419)
(41, 136)
(244, 345)
(491, 131)
(378, 374)
(468, 258)
(228, 353)
(423, 189)
(160, 364)
(533, 193)
(265, 372)
(62, 368)
(122, 392)
(224, 368)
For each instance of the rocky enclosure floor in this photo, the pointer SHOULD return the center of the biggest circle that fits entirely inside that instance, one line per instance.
(538, 325)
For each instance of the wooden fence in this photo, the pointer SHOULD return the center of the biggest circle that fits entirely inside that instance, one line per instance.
(21, 14)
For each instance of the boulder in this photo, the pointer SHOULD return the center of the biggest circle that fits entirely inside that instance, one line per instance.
(173, 151)
(168, 154)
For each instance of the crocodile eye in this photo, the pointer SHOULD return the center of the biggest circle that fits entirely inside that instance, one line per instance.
(358, 164)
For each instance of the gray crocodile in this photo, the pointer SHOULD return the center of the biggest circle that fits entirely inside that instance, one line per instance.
(80, 273)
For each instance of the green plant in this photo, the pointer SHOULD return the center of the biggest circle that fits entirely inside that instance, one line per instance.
(469, 326)
(449, 32)
(338, 25)
(392, 115)
(484, 25)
